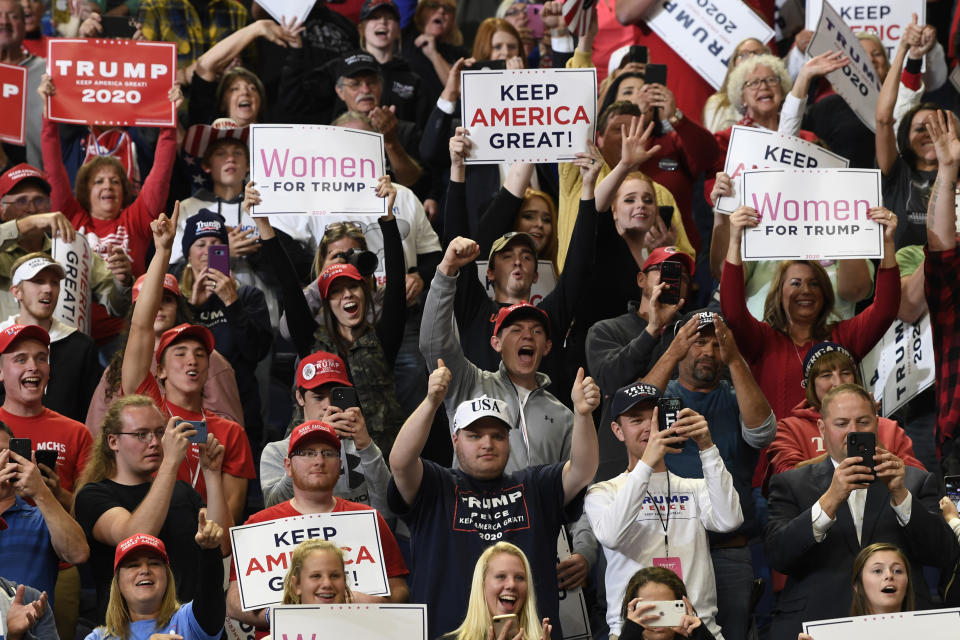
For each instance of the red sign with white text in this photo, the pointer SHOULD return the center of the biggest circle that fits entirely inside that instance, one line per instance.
(13, 103)
(111, 82)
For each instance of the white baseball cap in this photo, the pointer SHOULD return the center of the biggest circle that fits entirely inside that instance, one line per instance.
(472, 410)
(29, 269)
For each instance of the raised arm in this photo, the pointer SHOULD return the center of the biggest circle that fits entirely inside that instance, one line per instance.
(633, 11)
(755, 412)
(405, 463)
(580, 469)
(218, 57)
(941, 210)
(139, 350)
(633, 153)
(886, 137)
(393, 316)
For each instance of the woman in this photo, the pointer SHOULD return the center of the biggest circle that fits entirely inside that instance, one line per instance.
(718, 112)
(825, 366)
(432, 42)
(908, 174)
(497, 39)
(143, 600)
(369, 349)
(538, 217)
(799, 312)
(380, 37)
(502, 585)
(317, 575)
(657, 583)
(881, 582)
(220, 394)
(235, 314)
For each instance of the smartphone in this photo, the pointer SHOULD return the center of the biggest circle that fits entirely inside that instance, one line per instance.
(671, 613)
(118, 26)
(344, 397)
(490, 65)
(656, 74)
(953, 488)
(672, 273)
(21, 447)
(534, 21)
(667, 411)
(863, 445)
(666, 214)
(201, 427)
(499, 622)
(218, 257)
(636, 53)
(47, 457)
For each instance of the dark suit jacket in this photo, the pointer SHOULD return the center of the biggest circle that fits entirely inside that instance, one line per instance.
(819, 574)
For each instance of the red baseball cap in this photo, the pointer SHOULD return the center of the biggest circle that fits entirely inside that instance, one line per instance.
(16, 175)
(334, 271)
(662, 254)
(16, 331)
(313, 429)
(136, 542)
(181, 332)
(522, 309)
(322, 368)
(169, 283)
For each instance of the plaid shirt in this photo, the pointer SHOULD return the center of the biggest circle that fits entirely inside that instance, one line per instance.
(943, 299)
(178, 21)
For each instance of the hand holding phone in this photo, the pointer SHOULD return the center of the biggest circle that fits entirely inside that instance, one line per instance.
(671, 273)
(344, 398)
(670, 612)
(218, 257)
(863, 445)
(504, 621)
(22, 447)
(200, 437)
(48, 458)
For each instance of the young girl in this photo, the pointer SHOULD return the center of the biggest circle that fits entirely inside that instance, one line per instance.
(657, 583)
(316, 575)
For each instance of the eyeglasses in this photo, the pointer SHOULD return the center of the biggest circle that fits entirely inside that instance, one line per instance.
(326, 454)
(372, 81)
(515, 11)
(769, 81)
(439, 5)
(41, 203)
(145, 435)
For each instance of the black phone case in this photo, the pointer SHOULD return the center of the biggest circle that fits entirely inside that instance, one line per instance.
(863, 445)
(667, 409)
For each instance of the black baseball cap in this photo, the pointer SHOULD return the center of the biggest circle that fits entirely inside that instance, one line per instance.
(630, 396)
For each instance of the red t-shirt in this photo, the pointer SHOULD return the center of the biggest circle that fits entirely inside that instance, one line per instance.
(391, 552)
(52, 431)
(238, 457)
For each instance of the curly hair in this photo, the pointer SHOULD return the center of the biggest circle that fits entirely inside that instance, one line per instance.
(738, 77)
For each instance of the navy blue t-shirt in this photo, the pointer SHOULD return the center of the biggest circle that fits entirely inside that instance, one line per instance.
(723, 414)
(455, 517)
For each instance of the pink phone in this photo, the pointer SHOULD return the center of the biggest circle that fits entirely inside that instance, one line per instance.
(534, 21)
(218, 257)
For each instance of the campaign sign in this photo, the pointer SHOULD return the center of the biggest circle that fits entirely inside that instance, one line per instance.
(13, 103)
(705, 33)
(112, 82)
(316, 170)
(528, 115)
(937, 624)
(755, 148)
(857, 82)
(886, 19)
(354, 621)
(900, 366)
(73, 305)
(574, 615)
(261, 553)
(812, 214)
(546, 280)
(287, 9)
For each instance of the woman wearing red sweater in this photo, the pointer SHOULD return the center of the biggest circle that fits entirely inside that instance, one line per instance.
(798, 312)
(104, 209)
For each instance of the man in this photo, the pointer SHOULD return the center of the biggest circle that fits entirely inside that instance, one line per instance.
(25, 611)
(623, 349)
(313, 465)
(823, 514)
(454, 514)
(27, 227)
(521, 337)
(365, 474)
(74, 364)
(179, 21)
(741, 424)
(40, 533)
(12, 32)
(628, 514)
(359, 85)
(132, 487)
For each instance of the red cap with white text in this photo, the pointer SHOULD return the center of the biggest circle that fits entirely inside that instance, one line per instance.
(136, 542)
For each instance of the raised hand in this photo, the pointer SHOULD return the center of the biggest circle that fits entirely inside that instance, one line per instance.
(460, 147)
(439, 382)
(585, 394)
(633, 142)
(460, 252)
(660, 443)
(208, 532)
(165, 229)
(722, 186)
(942, 127)
(386, 189)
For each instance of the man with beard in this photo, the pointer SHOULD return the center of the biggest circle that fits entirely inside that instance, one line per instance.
(313, 463)
(741, 425)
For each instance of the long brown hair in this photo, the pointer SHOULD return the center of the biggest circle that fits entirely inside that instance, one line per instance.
(549, 251)
(774, 313)
(333, 232)
(89, 171)
(103, 460)
(860, 606)
(483, 41)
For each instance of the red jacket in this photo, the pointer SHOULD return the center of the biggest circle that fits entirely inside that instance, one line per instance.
(798, 439)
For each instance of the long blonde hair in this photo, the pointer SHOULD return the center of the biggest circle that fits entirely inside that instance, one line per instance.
(103, 459)
(300, 554)
(118, 613)
(478, 620)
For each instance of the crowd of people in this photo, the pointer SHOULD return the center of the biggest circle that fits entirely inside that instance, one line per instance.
(476, 365)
